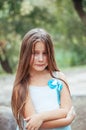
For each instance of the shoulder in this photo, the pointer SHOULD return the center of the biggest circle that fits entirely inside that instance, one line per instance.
(60, 75)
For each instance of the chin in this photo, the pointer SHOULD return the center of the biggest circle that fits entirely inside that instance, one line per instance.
(40, 69)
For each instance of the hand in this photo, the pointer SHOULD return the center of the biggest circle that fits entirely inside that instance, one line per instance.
(71, 114)
(34, 122)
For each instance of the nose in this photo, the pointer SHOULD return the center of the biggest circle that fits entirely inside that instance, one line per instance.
(40, 57)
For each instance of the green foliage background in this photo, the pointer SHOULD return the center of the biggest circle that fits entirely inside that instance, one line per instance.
(58, 17)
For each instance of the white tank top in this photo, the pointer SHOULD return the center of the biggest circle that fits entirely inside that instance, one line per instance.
(44, 98)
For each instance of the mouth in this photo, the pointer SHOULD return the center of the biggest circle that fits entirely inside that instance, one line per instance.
(39, 64)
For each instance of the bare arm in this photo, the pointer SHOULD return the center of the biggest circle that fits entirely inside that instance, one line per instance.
(37, 121)
(56, 123)
(65, 106)
(66, 101)
(29, 108)
(46, 115)
(60, 122)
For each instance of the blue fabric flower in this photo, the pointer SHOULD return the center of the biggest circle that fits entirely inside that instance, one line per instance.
(57, 85)
(54, 83)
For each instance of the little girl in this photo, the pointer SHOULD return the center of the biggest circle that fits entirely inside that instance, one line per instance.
(41, 98)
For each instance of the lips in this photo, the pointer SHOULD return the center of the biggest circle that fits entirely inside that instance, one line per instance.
(39, 64)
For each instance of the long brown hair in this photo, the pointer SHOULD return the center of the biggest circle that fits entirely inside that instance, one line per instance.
(20, 89)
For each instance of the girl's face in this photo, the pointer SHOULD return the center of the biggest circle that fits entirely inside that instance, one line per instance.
(39, 57)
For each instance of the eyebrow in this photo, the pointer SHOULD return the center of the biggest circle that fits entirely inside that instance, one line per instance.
(39, 50)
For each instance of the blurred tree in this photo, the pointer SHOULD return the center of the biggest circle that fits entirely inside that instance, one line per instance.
(72, 33)
(80, 7)
(3, 59)
(57, 16)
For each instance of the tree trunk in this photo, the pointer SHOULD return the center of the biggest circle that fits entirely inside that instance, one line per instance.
(79, 8)
(5, 65)
(4, 62)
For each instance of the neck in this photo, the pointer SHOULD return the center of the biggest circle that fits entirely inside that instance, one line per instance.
(38, 73)
(39, 78)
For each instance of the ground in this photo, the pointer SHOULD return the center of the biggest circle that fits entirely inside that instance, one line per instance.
(77, 81)
(80, 106)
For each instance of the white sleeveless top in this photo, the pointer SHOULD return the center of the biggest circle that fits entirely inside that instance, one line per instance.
(44, 99)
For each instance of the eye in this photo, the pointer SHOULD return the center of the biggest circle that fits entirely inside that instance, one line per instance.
(35, 53)
(44, 53)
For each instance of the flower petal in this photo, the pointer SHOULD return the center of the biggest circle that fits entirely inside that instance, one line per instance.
(54, 83)
(60, 85)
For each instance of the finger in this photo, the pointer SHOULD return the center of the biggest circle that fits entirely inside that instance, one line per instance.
(31, 128)
(27, 119)
(27, 125)
(72, 112)
(37, 128)
(71, 108)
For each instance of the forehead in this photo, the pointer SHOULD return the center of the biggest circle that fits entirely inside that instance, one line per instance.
(39, 46)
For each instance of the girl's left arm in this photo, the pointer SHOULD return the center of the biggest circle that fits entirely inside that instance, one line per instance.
(36, 122)
(60, 122)
(65, 104)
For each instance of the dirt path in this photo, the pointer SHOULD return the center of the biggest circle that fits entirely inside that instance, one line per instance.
(77, 81)
(80, 106)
